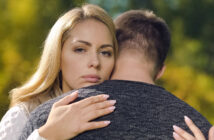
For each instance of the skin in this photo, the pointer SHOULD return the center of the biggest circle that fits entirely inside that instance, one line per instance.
(133, 66)
(180, 134)
(87, 59)
(87, 55)
(82, 113)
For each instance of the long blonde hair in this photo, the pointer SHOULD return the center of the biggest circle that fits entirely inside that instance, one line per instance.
(45, 82)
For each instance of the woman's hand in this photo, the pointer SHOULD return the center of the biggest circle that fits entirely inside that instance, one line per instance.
(68, 120)
(180, 134)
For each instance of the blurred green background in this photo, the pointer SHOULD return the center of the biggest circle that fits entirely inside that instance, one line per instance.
(24, 25)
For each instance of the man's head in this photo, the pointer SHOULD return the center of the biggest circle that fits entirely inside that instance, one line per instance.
(141, 33)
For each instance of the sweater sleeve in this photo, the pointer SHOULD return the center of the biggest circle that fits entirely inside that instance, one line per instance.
(12, 123)
(35, 136)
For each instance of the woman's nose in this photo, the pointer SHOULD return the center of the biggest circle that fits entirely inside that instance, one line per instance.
(94, 61)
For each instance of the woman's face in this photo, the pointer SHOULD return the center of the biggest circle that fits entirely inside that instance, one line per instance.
(87, 55)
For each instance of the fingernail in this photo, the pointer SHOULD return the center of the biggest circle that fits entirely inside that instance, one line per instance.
(75, 92)
(187, 119)
(112, 102)
(107, 122)
(105, 96)
(112, 108)
(175, 135)
(176, 128)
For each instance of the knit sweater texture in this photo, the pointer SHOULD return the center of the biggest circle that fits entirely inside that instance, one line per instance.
(143, 112)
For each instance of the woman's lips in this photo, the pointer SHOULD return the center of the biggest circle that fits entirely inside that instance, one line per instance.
(92, 78)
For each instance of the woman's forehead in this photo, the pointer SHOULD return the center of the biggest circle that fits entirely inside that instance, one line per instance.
(90, 30)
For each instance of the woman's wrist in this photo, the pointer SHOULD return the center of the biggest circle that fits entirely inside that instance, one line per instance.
(45, 133)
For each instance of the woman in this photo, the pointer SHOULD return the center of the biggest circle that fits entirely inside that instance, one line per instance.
(79, 51)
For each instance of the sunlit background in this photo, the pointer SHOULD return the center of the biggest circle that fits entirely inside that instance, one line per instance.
(24, 25)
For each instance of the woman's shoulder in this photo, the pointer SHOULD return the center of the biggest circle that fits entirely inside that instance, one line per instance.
(13, 122)
(17, 111)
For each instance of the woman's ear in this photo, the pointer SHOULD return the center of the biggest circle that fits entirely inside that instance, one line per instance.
(160, 73)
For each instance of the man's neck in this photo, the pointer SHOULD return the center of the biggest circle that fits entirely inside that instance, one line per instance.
(132, 70)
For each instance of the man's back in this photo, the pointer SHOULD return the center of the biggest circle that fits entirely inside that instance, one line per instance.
(143, 111)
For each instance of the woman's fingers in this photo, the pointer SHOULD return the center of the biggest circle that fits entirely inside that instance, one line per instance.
(196, 131)
(99, 109)
(198, 135)
(82, 113)
(183, 133)
(91, 100)
(100, 105)
(95, 125)
(211, 133)
(177, 136)
(66, 100)
(98, 113)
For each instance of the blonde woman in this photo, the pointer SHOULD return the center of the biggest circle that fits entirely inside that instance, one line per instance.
(79, 51)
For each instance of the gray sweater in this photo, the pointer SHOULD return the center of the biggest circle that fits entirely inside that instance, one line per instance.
(143, 112)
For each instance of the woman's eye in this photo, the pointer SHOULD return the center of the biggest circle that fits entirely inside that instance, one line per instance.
(106, 53)
(79, 50)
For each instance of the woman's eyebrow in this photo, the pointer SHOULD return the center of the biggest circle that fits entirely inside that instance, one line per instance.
(84, 42)
(106, 45)
(89, 44)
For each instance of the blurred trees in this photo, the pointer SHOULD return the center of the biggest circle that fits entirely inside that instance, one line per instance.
(24, 25)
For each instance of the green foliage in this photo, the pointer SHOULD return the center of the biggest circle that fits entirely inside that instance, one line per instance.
(193, 86)
(24, 25)
(23, 28)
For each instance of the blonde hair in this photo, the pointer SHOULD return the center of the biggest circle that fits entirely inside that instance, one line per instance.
(45, 82)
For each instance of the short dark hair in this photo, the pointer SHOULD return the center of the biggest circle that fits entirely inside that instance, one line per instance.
(144, 31)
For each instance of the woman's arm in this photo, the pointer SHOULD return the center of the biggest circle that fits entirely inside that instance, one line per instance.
(68, 120)
(35, 136)
(180, 134)
(12, 123)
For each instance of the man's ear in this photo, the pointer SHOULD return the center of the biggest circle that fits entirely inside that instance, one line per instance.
(160, 73)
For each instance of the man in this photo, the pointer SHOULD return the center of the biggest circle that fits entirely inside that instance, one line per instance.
(144, 110)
